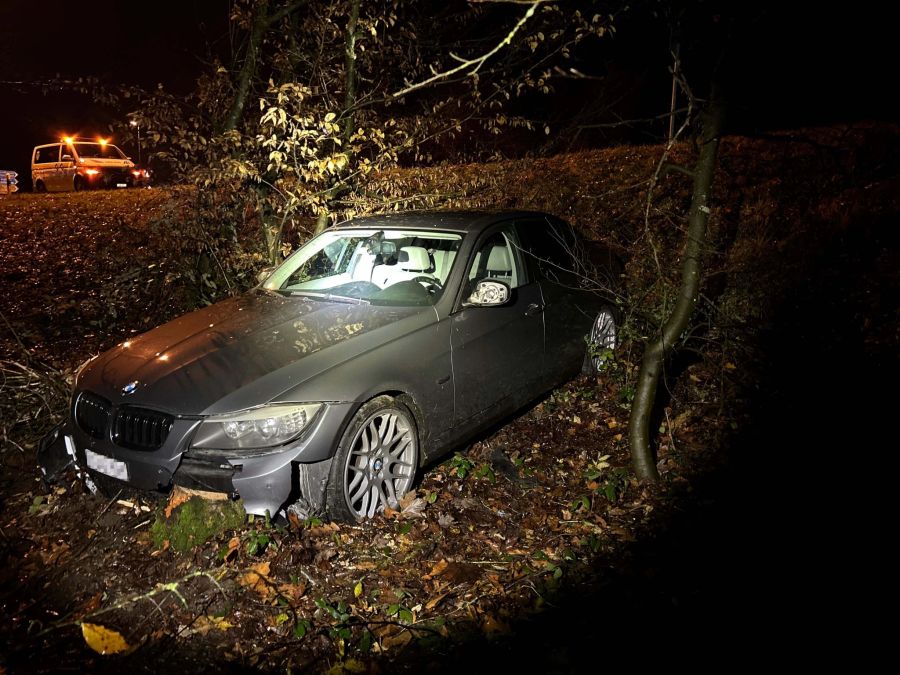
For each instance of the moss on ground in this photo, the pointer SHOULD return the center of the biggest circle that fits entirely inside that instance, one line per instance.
(195, 522)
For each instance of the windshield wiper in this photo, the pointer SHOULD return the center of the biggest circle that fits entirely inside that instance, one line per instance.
(331, 297)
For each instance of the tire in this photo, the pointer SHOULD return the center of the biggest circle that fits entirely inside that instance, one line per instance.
(40, 187)
(602, 340)
(375, 463)
(78, 184)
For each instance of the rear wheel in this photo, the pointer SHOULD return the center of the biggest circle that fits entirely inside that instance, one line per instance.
(375, 463)
(601, 342)
(39, 186)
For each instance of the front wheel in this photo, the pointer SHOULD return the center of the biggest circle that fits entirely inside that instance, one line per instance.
(375, 463)
(601, 343)
(78, 184)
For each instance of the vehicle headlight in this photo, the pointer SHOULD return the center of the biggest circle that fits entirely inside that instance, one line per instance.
(263, 427)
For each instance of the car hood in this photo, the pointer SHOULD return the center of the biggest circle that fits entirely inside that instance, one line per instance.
(240, 352)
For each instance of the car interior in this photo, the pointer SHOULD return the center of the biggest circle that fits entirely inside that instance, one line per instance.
(380, 266)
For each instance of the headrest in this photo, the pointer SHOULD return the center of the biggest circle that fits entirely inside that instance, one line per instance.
(498, 260)
(414, 259)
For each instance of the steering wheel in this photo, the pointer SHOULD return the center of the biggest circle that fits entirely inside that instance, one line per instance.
(429, 281)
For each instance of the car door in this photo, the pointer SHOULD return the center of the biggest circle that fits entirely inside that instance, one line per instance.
(65, 174)
(550, 249)
(497, 352)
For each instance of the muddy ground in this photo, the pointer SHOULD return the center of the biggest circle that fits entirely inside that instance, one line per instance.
(520, 551)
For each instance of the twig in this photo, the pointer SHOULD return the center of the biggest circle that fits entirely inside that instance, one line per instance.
(106, 508)
(475, 63)
(170, 587)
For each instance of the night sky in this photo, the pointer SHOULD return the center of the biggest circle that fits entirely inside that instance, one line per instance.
(794, 66)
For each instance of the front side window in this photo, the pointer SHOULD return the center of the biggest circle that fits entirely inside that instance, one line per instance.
(496, 260)
(391, 267)
(47, 155)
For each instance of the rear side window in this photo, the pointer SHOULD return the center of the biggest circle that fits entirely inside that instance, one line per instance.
(550, 248)
(48, 154)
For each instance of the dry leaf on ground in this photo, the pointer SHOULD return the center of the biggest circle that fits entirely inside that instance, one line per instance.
(257, 579)
(103, 640)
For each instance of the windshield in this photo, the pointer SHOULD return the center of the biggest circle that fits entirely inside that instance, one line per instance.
(389, 267)
(97, 151)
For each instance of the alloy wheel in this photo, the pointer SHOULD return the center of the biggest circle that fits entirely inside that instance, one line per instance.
(381, 464)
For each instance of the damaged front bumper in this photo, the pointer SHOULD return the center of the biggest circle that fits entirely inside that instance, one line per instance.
(265, 481)
(52, 456)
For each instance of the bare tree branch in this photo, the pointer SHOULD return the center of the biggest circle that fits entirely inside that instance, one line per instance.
(473, 65)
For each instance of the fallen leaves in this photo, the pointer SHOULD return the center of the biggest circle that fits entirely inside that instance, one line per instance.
(439, 568)
(436, 600)
(58, 552)
(412, 506)
(257, 580)
(205, 623)
(103, 640)
(392, 638)
(292, 592)
(260, 580)
(232, 551)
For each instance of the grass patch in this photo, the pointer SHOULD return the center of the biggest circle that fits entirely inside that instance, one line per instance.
(195, 522)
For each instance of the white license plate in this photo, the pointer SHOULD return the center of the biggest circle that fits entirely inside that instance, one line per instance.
(121, 184)
(106, 465)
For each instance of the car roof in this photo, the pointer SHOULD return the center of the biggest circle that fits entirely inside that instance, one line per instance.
(455, 221)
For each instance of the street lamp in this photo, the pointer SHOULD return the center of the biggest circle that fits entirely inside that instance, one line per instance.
(135, 124)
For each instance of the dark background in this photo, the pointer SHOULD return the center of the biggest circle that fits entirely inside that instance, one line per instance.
(790, 66)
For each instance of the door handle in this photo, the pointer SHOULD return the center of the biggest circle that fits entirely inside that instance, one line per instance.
(533, 309)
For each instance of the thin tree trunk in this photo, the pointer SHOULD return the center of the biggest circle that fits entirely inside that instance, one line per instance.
(349, 103)
(350, 53)
(657, 351)
(248, 68)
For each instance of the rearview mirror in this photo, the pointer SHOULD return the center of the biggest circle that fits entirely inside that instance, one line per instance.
(488, 293)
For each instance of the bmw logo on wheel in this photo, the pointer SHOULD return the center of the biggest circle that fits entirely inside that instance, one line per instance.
(130, 388)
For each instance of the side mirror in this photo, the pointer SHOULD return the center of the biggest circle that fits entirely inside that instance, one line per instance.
(488, 293)
(264, 273)
(67, 158)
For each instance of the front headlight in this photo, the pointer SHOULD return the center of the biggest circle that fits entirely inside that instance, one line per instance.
(263, 427)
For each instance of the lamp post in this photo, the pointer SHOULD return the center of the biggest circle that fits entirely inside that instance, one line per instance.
(135, 124)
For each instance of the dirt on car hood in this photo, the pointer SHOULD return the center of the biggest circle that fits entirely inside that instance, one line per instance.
(187, 365)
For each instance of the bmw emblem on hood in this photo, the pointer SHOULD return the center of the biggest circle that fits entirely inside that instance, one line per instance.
(129, 388)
